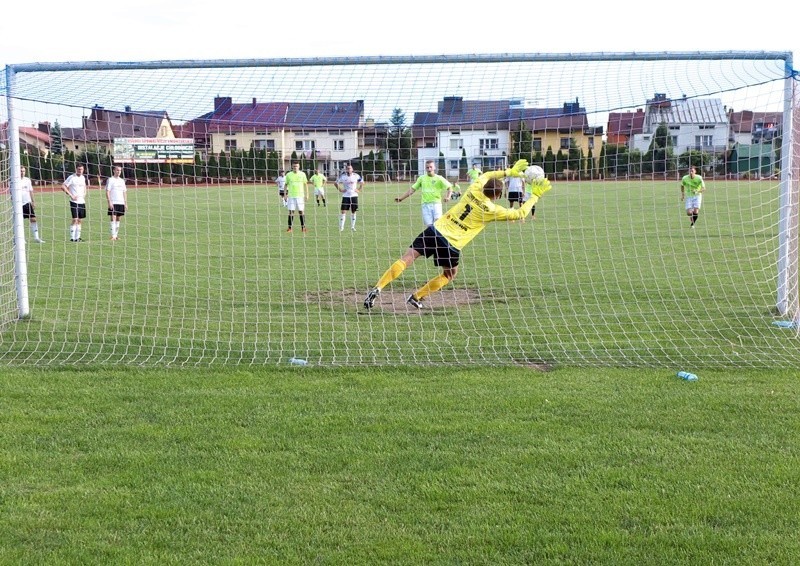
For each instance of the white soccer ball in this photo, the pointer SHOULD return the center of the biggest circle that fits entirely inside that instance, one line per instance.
(533, 173)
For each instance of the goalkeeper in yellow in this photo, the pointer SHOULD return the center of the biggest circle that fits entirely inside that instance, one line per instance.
(450, 233)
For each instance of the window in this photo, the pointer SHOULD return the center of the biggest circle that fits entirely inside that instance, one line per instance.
(703, 141)
(591, 142)
(489, 143)
(230, 145)
(268, 145)
(338, 145)
(564, 143)
(456, 143)
(304, 145)
(537, 144)
(674, 141)
(453, 164)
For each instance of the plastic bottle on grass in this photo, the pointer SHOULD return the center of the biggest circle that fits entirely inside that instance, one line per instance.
(685, 375)
(298, 362)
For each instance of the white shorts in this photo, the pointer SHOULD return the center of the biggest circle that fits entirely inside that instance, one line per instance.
(320, 192)
(693, 202)
(296, 203)
(431, 211)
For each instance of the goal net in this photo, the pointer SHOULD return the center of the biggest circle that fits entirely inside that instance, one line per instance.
(199, 267)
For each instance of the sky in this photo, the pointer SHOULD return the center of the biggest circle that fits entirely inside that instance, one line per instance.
(150, 30)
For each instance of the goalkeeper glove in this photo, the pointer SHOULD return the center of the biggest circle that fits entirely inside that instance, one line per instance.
(540, 187)
(518, 170)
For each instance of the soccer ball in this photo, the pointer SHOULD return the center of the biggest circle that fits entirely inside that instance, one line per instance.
(533, 173)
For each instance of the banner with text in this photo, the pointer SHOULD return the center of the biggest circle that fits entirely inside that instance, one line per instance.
(153, 150)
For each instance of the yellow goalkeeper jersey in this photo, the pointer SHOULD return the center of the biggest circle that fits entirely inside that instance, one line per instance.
(474, 211)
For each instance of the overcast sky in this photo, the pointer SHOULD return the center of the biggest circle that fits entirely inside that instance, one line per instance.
(92, 30)
(151, 30)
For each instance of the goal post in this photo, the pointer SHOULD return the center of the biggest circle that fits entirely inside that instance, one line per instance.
(205, 265)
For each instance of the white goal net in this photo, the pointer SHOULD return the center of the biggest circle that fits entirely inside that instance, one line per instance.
(199, 267)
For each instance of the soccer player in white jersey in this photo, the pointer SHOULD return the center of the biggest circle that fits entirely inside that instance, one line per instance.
(75, 188)
(117, 195)
(280, 180)
(516, 191)
(434, 188)
(447, 237)
(350, 185)
(26, 190)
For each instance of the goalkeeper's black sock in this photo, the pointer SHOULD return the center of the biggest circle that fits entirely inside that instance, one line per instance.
(694, 219)
(290, 221)
(303, 220)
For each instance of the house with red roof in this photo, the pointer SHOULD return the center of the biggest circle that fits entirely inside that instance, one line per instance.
(31, 139)
(622, 126)
(102, 126)
(334, 132)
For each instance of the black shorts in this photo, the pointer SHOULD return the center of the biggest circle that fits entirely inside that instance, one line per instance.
(515, 197)
(27, 211)
(432, 243)
(117, 210)
(77, 210)
(349, 203)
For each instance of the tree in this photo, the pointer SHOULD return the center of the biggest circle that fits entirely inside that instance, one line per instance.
(659, 156)
(463, 166)
(213, 167)
(56, 142)
(574, 157)
(549, 162)
(399, 143)
(273, 164)
(521, 144)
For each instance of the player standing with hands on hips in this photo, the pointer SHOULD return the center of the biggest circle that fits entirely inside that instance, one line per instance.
(448, 235)
(75, 189)
(117, 195)
(349, 184)
(693, 185)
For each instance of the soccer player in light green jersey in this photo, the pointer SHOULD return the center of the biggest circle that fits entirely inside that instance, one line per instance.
(297, 191)
(434, 188)
(448, 235)
(318, 182)
(474, 173)
(692, 189)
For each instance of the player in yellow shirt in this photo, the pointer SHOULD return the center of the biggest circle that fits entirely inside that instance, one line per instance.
(434, 189)
(693, 184)
(318, 182)
(474, 173)
(297, 191)
(448, 236)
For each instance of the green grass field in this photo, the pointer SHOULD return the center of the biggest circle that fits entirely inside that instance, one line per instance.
(398, 466)
(149, 415)
(608, 275)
